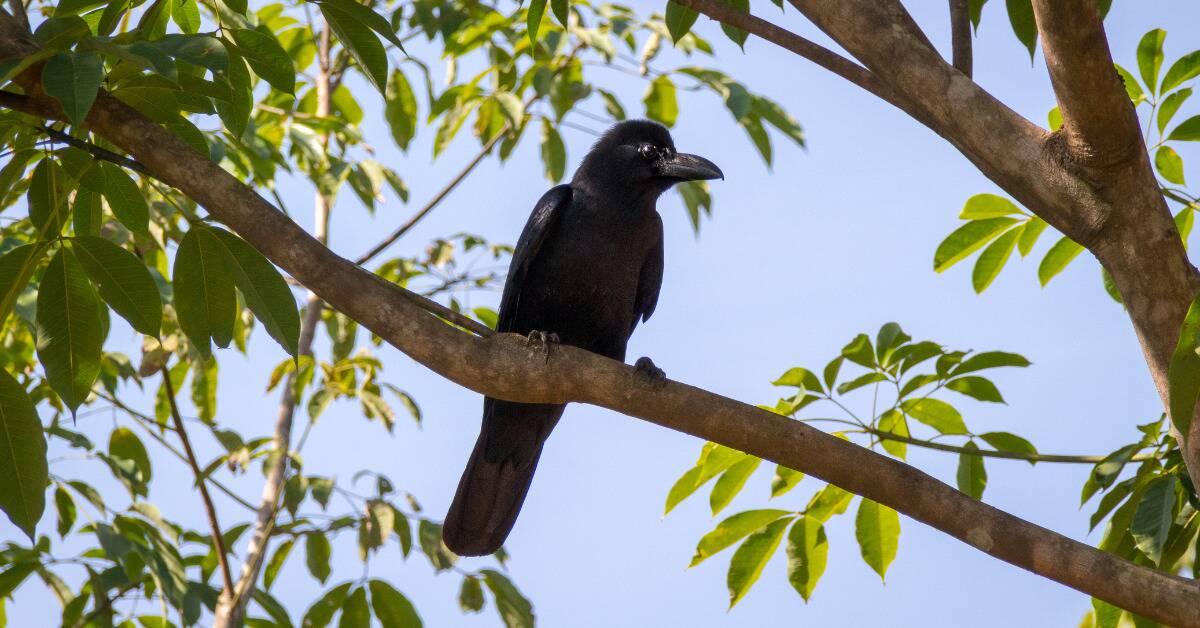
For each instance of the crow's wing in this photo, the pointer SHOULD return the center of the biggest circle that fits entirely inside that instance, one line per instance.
(649, 282)
(541, 222)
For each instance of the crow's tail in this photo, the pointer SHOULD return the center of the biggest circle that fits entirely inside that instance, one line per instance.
(498, 475)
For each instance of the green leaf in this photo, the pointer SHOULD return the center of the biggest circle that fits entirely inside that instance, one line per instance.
(73, 79)
(751, 557)
(1057, 258)
(807, 551)
(829, 501)
(1004, 441)
(731, 482)
(201, 50)
(975, 11)
(358, 39)
(64, 505)
(935, 413)
(69, 329)
(679, 20)
(612, 105)
(859, 351)
(1170, 105)
(16, 268)
(988, 206)
(893, 422)
(125, 199)
(271, 571)
(989, 360)
(366, 16)
(533, 20)
(561, 11)
(1150, 57)
(967, 239)
(186, 15)
(1187, 131)
(1184, 69)
(391, 607)
(267, 58)
(733, 529)
(1030, 231)
(1183, 374)
(470, 595)
(235, 112)
(860, 381)
(977, 387)
(203, 286)
(736, 35)
(780, 119)
(714, 459)
(265, 291)
(126, 445)
(1020, 15)
(48, 189)
(429, 537)
(204, 390)
(355, 612)
(1132, 89)
(877, 529)
(1152, 520)
(554, 153)
(515, 610)
(800, 378)
(785, 480)
(317, 551)
(971, 476)
(1169, 164)
(123, 281)
(23, 468)
(992, 260)
(660, 102)
(87, 213)
(321, 612)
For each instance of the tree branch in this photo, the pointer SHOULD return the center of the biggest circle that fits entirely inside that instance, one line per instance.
(95, 151)
(1099, 122)
(209, 510)
(960, 36)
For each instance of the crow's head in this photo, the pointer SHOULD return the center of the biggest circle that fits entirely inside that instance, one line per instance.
(640, 156)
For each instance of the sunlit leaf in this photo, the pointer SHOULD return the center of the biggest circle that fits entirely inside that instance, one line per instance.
(877, 529)
(751, 557)
(807, 552)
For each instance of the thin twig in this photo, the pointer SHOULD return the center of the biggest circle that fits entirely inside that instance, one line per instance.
(96, 151)
(988, 453)
(960, 36)
(210, 510)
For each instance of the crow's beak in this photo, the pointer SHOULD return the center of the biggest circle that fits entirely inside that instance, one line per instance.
(685, 167)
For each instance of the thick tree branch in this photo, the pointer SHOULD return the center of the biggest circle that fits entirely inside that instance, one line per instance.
(501, 366)
(1098, 119)
(960, 36)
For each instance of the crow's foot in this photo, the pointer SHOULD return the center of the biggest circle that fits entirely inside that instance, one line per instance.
(646, 368)
(541, 342)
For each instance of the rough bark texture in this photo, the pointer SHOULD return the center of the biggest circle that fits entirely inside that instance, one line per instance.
(1105, 202)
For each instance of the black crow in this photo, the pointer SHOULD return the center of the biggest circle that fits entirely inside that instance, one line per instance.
(587, 267)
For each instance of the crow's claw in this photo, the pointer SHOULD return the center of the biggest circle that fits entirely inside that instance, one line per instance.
(541, 342)
(646, 368)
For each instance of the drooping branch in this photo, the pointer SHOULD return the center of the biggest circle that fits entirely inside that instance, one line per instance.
(960, 36)
(501, 366)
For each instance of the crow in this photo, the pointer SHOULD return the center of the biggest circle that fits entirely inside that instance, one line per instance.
(586, 269)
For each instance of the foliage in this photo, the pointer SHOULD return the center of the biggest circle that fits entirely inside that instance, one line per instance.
(998, 225)
(243, 85)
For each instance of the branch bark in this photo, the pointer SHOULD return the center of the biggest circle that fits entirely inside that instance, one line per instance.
(960, 36)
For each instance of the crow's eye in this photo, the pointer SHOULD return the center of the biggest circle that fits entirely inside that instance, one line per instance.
(648, 151)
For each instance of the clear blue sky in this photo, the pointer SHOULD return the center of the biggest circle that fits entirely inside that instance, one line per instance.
(835, 241)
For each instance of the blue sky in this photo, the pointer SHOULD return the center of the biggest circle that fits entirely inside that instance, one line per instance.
(836, 240)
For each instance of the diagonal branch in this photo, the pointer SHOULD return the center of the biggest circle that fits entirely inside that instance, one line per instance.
(1098, 119)
(500, 366)
(960, 36)
(209, 510)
